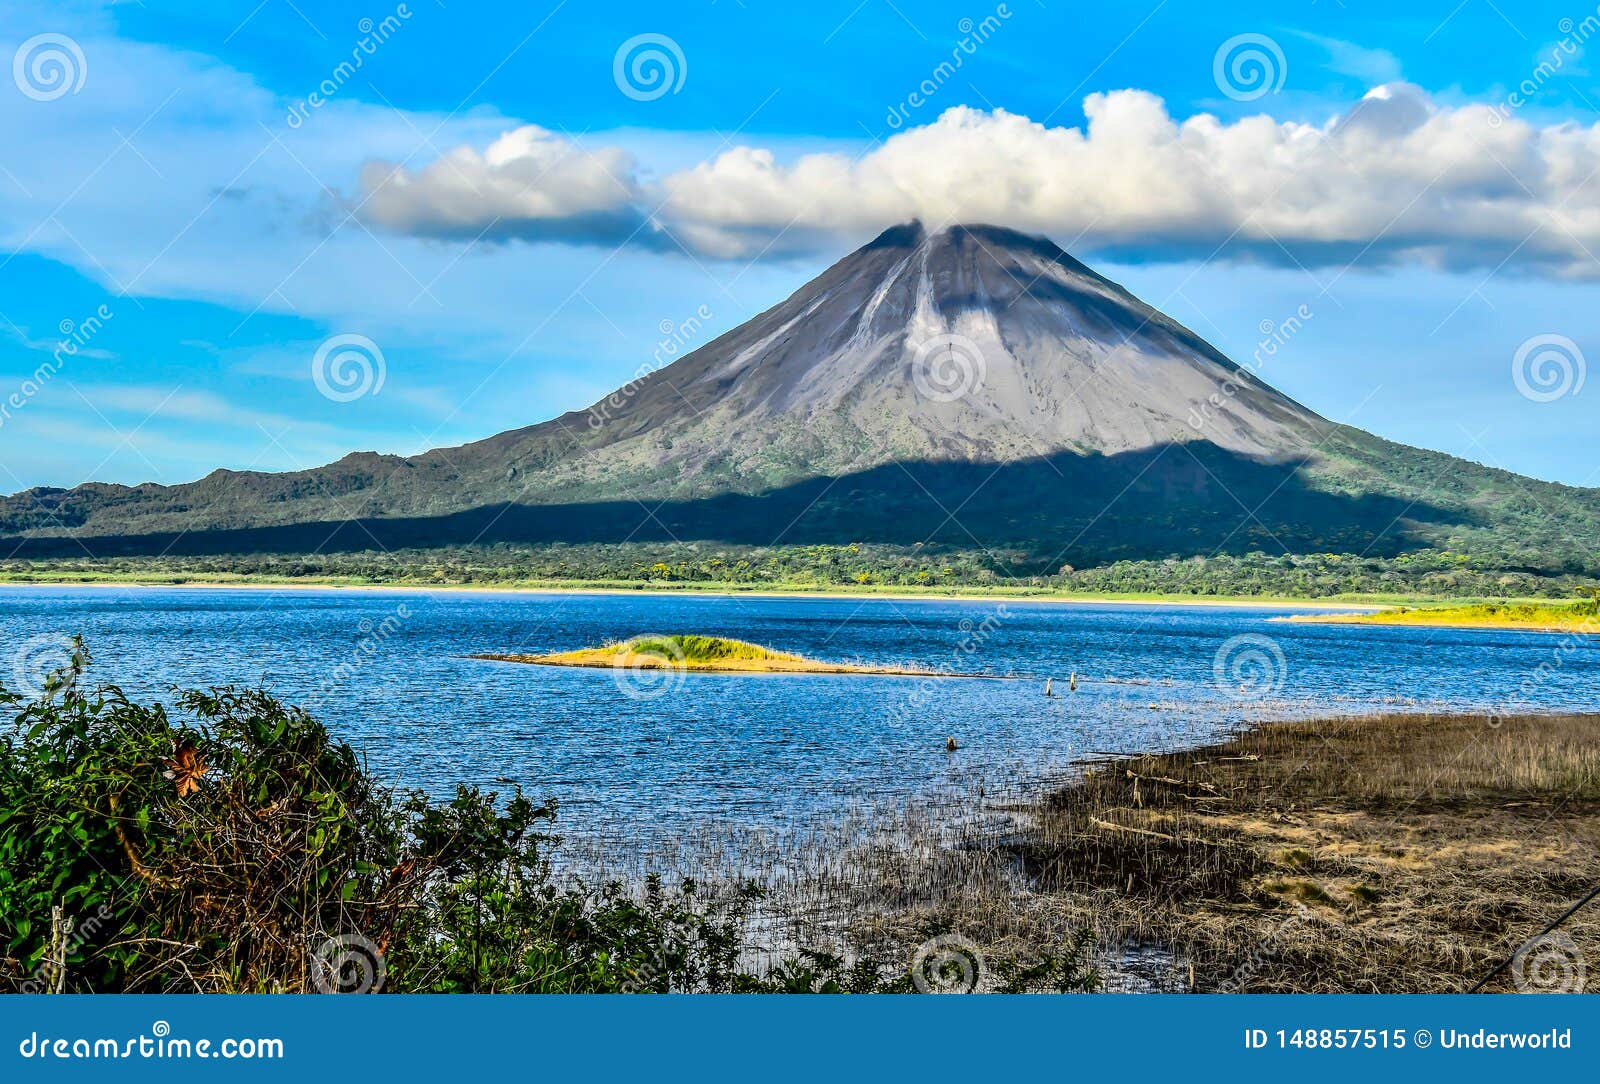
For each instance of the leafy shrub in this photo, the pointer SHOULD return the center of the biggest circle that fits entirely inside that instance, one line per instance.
(239, 847)
(226, 847)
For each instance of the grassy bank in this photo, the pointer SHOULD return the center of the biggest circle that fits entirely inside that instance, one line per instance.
(973, 592)
(1397, 853)
(1533, 616)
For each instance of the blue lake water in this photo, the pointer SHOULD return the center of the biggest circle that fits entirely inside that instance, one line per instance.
(756, 750)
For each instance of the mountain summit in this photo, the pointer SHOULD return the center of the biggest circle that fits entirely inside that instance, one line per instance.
(973, 344)
(971, 388)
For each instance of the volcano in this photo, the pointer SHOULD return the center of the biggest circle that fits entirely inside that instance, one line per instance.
(971, 388)
(973, 345)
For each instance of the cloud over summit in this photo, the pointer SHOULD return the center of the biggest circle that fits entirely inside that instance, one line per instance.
(1398, 177)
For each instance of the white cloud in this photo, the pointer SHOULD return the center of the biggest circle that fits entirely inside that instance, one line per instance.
(529, 183)
(1398, 177)
(1372, 66)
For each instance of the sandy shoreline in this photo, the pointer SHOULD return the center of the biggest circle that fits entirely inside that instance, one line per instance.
(898, 596)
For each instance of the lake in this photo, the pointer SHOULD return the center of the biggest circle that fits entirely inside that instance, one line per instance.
(632, 758)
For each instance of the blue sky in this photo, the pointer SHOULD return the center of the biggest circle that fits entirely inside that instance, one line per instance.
(511, 222)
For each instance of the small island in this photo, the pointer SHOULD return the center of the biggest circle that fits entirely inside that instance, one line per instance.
(713, 654)
(1579, 617)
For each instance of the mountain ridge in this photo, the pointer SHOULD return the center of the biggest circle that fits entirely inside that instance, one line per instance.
(902, 367)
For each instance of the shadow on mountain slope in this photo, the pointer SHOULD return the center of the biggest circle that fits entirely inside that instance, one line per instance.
(1170, 501)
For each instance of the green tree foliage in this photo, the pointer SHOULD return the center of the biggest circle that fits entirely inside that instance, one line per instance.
(1444, 573)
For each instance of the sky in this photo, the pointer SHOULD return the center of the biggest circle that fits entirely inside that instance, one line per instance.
(264, 235)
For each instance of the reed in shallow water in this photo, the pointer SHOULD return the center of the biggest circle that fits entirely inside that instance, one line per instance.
(1401, 853)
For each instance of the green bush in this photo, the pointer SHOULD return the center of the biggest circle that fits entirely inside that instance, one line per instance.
(240, 848)
(235, 846)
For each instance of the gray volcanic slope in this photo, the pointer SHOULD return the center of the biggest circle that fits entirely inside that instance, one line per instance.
(975, 347)
(864, 365)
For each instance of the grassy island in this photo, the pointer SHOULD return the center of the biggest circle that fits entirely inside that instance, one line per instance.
(1578, 617)
(708, 653)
